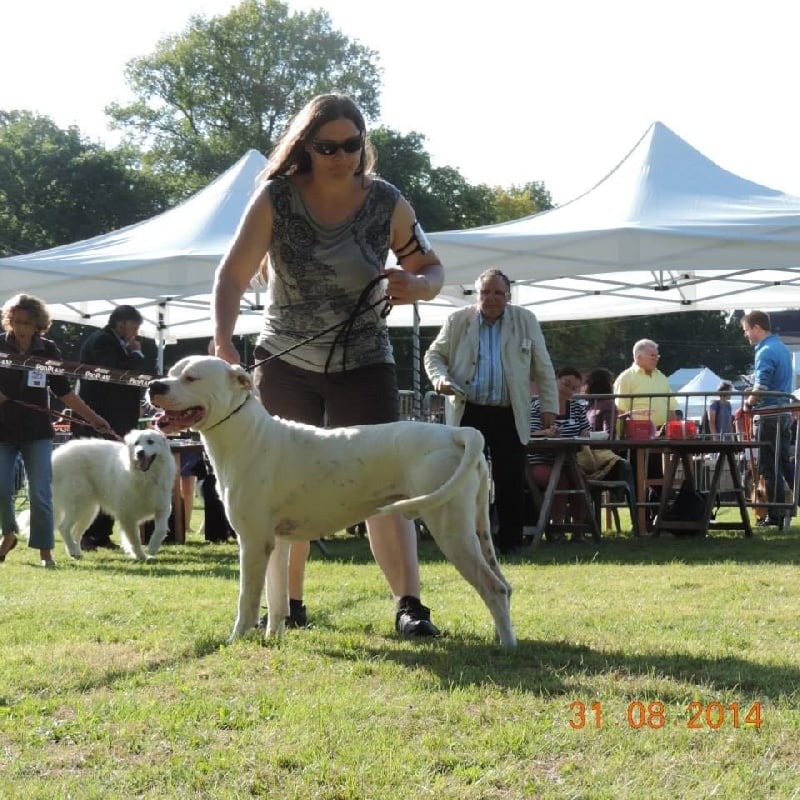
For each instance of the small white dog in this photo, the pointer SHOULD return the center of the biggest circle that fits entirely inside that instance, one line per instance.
(131, 480)
(282, 481)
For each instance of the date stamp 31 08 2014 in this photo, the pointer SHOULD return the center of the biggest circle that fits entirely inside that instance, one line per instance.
(656, 715)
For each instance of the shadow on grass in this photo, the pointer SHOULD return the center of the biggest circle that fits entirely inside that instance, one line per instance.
(554, 667)
(222, 560)
(773, 547)
(191, 559)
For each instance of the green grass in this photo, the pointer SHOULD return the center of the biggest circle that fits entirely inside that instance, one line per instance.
(116, 680)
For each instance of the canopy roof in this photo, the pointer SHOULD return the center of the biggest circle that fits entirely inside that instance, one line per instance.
(666, 230)
(163, 266)
(705, 381)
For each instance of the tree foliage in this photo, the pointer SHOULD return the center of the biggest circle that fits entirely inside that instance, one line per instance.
(232, 82)
(441, 197)
(520, 201)
(56, 187)
(710, 339)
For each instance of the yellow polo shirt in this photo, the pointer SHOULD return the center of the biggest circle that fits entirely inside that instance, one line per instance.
(635, 380)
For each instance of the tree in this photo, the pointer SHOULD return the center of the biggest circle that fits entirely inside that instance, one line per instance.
(520, 201)
(441, 197)
(710, 339)
(57, 187)
(230, 83)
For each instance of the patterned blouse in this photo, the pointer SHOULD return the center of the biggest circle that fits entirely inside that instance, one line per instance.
(317, 274)
(571, 424)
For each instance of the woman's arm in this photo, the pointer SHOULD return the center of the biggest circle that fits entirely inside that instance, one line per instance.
(238, 266)
(72, 401)
(420, 275)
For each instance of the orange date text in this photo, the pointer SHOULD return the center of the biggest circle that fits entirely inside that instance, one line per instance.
(655, 715)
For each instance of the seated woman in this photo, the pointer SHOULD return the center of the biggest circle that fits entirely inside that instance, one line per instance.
(603, 465)
(601, 411)
(570, 422)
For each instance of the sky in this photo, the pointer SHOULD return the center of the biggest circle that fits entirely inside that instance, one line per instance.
(507, 91)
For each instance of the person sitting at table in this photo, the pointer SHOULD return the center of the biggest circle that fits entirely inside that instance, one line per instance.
(571, 421)
(601, 411)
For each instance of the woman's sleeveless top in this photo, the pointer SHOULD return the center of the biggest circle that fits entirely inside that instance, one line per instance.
(317, 274)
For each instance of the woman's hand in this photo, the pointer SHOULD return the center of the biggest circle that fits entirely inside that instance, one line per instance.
(227, 352)
(102, 426)
(404, 288)
(552, 432)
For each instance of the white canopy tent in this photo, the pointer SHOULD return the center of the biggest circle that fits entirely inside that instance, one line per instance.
(163, 266)
(682, 376)
(706, 383)
(666, 230)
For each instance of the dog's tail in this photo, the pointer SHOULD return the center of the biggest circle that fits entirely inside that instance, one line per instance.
(472, 442)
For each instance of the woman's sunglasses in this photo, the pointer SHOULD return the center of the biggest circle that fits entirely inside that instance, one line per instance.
(327, 147)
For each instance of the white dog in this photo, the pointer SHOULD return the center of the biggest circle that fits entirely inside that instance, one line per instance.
(282, 481)
(131, 480)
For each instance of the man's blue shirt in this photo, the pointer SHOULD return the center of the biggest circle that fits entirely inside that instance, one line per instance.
(773, 369)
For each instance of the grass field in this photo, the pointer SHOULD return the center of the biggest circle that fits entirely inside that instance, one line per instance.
(651, 668)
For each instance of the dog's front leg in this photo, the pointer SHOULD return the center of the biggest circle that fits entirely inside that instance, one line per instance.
(160, 530)
(253, 555)
(277, 588)
(131, 542)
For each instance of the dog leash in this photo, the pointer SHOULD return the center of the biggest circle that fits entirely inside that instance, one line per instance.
(58, 415)
(346, 326)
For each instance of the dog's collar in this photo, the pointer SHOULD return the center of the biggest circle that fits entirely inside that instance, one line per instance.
(225, 419)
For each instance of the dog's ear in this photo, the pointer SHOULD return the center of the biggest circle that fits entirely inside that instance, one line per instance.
(242, 377)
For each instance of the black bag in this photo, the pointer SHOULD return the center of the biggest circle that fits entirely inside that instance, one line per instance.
(689, 505)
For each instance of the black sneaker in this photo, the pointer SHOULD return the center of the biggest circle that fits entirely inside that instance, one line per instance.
(297, 616)
(769, 522)
(413, 618)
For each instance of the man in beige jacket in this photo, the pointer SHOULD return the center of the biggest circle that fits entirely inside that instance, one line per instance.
(484, 360)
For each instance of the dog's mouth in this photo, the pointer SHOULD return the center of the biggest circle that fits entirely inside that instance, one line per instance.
(175, 421)
(143, 461)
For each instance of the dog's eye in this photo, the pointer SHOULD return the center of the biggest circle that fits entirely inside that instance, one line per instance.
(189, 378)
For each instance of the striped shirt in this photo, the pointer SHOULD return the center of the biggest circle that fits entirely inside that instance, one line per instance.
(570, 425)
(488, 387)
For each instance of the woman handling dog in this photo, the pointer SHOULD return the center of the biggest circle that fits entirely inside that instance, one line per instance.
(27, 431)
(327, 225)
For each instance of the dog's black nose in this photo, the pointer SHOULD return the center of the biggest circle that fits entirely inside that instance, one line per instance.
(157, 387)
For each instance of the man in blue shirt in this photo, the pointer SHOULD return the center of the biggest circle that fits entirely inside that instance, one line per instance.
(773, 373)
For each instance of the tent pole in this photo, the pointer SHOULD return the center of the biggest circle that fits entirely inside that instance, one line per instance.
(161, 336)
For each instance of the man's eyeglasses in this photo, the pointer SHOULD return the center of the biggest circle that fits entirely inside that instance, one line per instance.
(327, 147)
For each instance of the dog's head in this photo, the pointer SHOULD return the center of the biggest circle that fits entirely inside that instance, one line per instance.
(199, 392)
(144, 447)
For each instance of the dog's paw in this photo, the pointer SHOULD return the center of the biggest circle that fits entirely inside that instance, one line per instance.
(75, 553)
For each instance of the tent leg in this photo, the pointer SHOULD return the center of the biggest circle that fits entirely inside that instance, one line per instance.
(161, 337)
